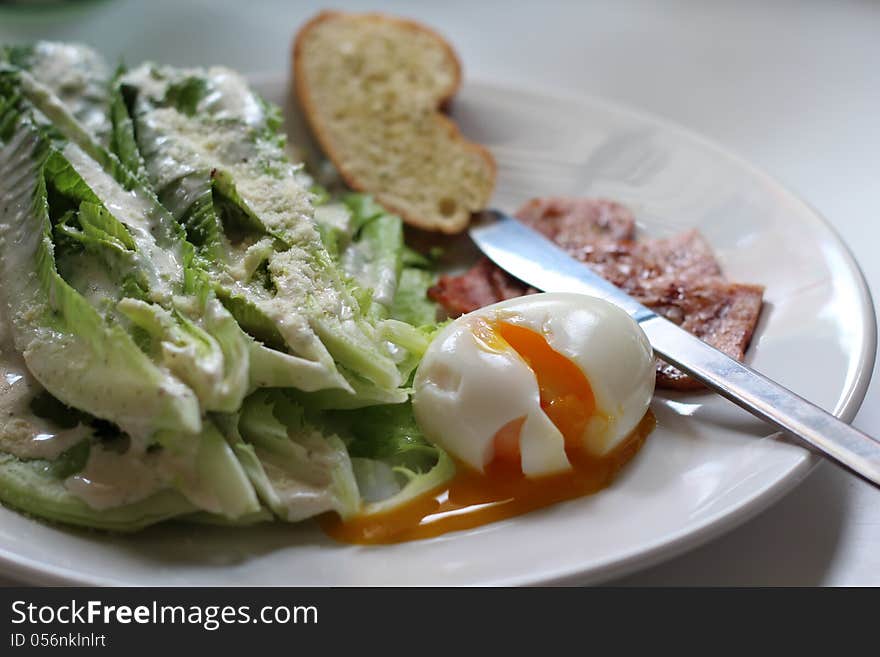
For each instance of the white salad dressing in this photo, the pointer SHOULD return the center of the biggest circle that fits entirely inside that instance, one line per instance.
(184, 144)
(358, 262)
(88, 275)
(111, 479)
(135, 396)
(177, 145)
(230, 97)
(137, 213)
(79, 77)
(21, 432)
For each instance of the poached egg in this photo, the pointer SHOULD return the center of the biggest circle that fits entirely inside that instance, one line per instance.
(539, 399)
(534, 379)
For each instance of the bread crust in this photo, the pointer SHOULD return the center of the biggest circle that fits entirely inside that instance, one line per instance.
(303, 95)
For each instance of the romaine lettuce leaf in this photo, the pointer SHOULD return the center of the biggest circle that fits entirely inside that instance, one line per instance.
(389, 279)
(163, 243)
(411, 303)
(303, 463)
(158, 266)
(107, 485)
(215, 155)
(208, 473)
(237, 286)
(73, 72)
(392, 461)
(122, 141)
(373, 256)
(31, 487)
(198, 357)
(298, 469)
(67, 345)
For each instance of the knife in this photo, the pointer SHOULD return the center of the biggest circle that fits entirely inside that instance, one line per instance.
(534, 259)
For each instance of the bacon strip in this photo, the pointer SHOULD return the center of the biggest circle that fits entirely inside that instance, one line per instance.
(678, 277)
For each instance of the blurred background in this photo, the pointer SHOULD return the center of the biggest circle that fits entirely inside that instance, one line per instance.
(793, 87)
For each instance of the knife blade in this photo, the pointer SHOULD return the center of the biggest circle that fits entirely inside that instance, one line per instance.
(534, 259)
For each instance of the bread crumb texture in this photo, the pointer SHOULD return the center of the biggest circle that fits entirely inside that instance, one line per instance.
(372, 87)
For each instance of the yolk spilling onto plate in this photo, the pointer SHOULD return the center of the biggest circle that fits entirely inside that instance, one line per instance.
(473, 498)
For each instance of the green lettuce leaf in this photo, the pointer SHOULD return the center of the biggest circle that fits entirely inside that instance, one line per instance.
(157, 267)
(214, 152)
(208, 473)
(373, 257)
(177, 237)
(392, 461)
(123, 142)
(76, 74)
(411, 303)
(67, 345)
(32, 487)
(298, 470)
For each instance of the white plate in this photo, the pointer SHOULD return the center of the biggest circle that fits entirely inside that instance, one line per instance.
(707, 466)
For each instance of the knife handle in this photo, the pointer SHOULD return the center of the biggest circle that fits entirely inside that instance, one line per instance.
(767, 400)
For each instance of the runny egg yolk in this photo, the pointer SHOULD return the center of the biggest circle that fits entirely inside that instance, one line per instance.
(471, 498)
(566, 395)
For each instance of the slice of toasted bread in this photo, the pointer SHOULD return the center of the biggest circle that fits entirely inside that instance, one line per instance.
(371, 87)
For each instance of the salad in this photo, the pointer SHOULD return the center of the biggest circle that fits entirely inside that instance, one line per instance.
(191, 328)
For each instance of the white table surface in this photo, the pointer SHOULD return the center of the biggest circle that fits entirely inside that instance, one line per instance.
(794, 87)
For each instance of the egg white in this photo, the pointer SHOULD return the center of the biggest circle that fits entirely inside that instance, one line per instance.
(466, 390)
